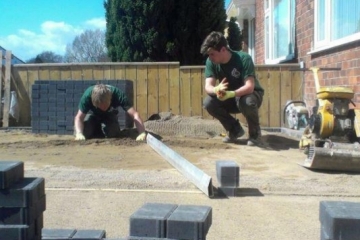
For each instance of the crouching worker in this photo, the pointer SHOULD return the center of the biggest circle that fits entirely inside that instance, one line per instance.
(97, 115)
(238, 92)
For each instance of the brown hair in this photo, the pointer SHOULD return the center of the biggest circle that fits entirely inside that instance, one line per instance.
(101, 94)
(215, 40)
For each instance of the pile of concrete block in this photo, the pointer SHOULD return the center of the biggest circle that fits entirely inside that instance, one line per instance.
(339, 220)
(22, 203)
(62, 234)
(228, 176)
(54, 104)
(170, 221)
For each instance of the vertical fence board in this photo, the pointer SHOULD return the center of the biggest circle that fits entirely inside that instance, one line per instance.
(164, 98)
(152, 90)
(297, 85)
(76, 73)
(65, 73)
(22, 90)
(44, 73)
(274, 98)
(54, 73)
(108, 72)
(7, 86)
(285, 90)
(120, 72)
(185, 93)
(174, 90)
(87, 72)
(98, 72)
(130, 74)
(196, 93)
(262, 76)
(141, 95)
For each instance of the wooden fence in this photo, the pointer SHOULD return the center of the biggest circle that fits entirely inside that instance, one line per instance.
(160, 87)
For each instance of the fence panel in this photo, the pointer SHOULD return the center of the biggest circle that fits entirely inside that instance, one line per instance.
(160, 87)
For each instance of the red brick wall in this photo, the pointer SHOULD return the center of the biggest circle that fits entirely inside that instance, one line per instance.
(259, 33)
(346, 57)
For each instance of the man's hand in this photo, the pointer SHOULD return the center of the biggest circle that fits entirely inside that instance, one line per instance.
(141, 137)
(221, 87)
(227, 95)
(79, 137)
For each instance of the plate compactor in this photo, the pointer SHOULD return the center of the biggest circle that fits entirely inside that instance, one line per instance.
(331, 139)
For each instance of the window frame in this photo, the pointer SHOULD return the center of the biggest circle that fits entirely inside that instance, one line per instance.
(327, 43)
(269, 33)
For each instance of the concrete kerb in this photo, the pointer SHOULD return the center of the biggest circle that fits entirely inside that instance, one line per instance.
(194, 174)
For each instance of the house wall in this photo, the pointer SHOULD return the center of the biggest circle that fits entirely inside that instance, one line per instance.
(346, 57)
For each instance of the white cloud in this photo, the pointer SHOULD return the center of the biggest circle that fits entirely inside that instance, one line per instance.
(97, 23)
(53, 36)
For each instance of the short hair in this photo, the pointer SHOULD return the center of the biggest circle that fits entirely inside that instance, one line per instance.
(101, 94)
(215, 40)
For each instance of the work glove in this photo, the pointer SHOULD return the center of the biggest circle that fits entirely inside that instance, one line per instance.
(221, 87)
(227, 95)
(141, 137)
(79, 137)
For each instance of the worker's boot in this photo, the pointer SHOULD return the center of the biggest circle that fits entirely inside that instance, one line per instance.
(235, 132)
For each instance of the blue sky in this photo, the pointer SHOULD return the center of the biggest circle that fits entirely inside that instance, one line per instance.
(29, 27)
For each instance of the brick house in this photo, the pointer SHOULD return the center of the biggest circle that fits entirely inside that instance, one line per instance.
(322, 33)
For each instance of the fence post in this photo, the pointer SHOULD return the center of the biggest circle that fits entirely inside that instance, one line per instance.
(7, 89)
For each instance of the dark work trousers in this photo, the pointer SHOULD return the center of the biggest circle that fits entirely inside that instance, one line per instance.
(106, 125)
(248, 105)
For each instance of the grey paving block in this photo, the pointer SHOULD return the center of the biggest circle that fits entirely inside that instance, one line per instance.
(227, 181)
(11, 172)
(227, 168)
(23, 194)
(17, 232)
(340, 220)
(150, 220)
(56, 233)
(189, 222)
(22, 215)
(88, 234)
(227, 191)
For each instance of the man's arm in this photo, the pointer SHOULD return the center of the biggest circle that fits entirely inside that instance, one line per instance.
(137, 119)
(79, 122)
(79, 125)
(247, 88)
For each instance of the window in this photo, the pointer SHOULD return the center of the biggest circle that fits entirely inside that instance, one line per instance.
(336, 22)
(279, 30)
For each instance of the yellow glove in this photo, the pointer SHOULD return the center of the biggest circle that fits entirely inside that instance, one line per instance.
(227, 95)
(79, 137)
(141, 137)
(221, 87)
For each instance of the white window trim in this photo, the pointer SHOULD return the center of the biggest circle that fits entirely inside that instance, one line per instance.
(327, 44)
(337, 43)
(269, 13)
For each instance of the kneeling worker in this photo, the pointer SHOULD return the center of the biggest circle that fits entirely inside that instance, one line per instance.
(97, 115)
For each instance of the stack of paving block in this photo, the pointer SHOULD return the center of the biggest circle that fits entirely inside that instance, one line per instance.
(170, 221)
(54, 104)
(227, 173)
(62, 234)
(339, 220)
(22, 203)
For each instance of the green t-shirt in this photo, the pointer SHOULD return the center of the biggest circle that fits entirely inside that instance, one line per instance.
(118, 99)
(236, 70)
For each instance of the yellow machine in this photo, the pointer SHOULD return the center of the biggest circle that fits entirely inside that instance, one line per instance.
(331, 140)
